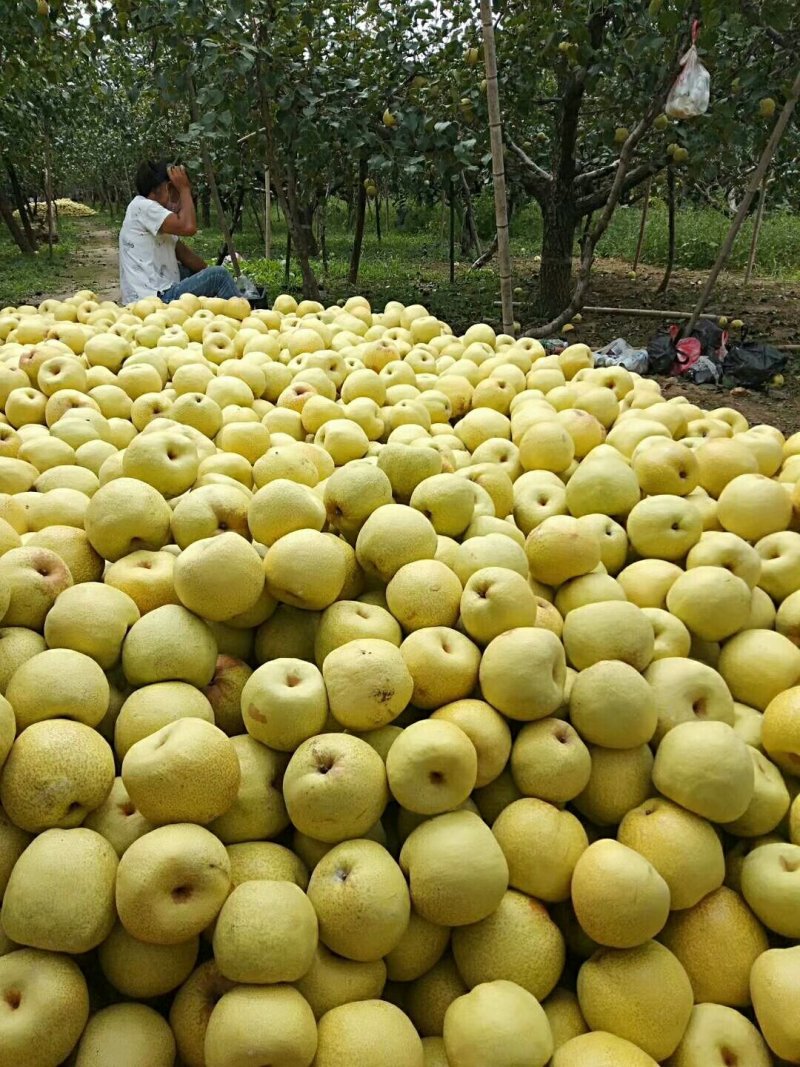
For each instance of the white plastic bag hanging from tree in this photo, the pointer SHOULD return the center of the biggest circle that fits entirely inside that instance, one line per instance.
(689, 96)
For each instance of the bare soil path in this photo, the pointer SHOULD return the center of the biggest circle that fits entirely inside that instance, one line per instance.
(95, 264)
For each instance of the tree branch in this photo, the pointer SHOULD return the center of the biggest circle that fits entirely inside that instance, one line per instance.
(721, 206)
(564, 168)
(586, 177)
(594, 201)
(572, 89)
(541, 174)
(591, 239)
(486, 255)
(778, 39)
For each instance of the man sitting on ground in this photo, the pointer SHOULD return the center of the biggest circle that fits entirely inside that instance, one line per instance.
(153, 261)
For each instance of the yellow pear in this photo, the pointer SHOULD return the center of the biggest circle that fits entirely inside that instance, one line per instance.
(640, 994)
(774, 987)
(361, 900)
(607, 878)
(498, 1022)
(60, 895)
(518, 941)
(266, 932)
(47, 1006)
(368, 1032)
(129, 1034)
(268, 1022)
(437, 876)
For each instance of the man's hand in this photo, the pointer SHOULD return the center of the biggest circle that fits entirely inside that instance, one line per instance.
(179, 178)
(182, 221)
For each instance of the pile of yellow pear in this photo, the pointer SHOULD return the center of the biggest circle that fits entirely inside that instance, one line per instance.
(375, 696)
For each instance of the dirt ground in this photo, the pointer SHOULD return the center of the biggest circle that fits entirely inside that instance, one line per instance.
(95, 265)
(770, 310)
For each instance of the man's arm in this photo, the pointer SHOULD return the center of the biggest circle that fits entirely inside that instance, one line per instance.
(189, 259)
(183, 222)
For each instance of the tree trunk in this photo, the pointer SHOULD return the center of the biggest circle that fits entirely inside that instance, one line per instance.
(300, 235)
(307, 213)
(48, 192)
(323, 233)
(17, 234)
(351, 200)
(205, 208)
(288, 264)
(378, 218)
(465, 238)
(470, 230)
(282, 171)
(21, 205)
(361, 211)
(558, 239)
(237, 218)
(670, 229)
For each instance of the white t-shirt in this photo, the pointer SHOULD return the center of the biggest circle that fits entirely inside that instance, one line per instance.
(147, 261)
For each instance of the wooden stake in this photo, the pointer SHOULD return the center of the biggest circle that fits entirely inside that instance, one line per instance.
(498, 169)
(643, 223)
(751, 259)
(452, 230)
(267, 215)
(48, 192)
(752, 188)
(646, 313)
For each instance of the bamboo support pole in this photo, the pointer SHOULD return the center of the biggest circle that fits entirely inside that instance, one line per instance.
(642, 224)
(498, 169)
(751, 259)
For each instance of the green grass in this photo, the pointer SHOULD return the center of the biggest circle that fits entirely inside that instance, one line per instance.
(418, 256)
(32, 278)
(699, 232)
(410, 264)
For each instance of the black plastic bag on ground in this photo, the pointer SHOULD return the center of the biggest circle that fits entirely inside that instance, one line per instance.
(710, 335)
(753, 364)
(662, 353)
